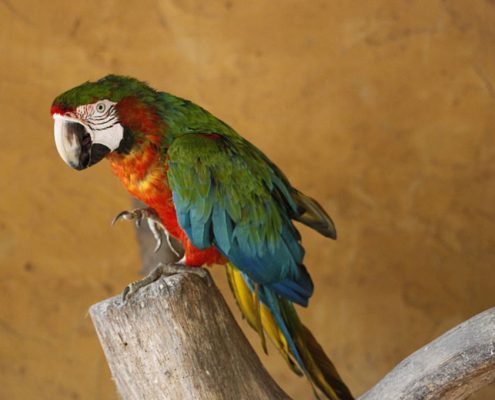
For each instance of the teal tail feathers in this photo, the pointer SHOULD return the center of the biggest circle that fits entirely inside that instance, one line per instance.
(270, 314)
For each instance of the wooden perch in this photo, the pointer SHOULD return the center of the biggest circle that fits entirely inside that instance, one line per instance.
(452, 367)
(176, 339)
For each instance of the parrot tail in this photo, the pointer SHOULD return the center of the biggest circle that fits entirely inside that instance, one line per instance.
(269, 314)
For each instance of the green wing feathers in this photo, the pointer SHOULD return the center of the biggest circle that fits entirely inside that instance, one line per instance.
(227, 194)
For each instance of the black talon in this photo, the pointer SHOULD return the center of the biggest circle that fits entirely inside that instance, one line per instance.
(125, 294)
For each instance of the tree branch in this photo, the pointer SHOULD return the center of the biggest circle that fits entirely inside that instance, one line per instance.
(176, 339)
(452, 367)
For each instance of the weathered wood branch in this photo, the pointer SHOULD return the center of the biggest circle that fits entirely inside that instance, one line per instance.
(176, 339)
(452, 367)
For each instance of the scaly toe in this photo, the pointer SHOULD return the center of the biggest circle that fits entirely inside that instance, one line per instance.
(162, 270)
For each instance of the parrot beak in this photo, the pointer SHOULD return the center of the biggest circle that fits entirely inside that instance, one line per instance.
(78, 146)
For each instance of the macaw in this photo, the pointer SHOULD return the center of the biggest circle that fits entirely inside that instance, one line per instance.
(216, 193)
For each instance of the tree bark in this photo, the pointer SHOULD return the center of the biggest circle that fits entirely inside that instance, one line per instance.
(176, 339)
(452, 367)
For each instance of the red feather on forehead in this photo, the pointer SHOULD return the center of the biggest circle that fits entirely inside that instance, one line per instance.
(58, 109)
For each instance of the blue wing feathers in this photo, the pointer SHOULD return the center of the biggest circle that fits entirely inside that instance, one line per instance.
(253, 231)
(297, 290)
(182, 211)
(222, 228)
(201, 235)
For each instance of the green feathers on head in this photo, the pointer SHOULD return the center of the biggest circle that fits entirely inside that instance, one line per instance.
(111, 87)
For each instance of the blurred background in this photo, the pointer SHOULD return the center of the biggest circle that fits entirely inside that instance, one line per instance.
(384, 111)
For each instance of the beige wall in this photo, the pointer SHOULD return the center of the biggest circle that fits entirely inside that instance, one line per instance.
(382, 110)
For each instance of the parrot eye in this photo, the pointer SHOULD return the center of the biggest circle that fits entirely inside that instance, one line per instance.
(100, 107)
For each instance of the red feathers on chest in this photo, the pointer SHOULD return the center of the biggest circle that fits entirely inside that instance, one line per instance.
(144, 178)
(144, 175)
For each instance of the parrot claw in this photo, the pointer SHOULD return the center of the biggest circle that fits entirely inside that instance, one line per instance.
(154, 224)
(158, 244)
(161, 270)
(137, 215)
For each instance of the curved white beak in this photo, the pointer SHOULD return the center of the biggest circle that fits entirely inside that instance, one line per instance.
(79, 146)
(68, 136)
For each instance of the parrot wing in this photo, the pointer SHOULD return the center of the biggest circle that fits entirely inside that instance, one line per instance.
(227, 194)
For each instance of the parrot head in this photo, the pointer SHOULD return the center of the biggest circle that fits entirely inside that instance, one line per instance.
(97, 118)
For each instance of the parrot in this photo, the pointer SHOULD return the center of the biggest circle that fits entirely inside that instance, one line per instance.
(216, 194)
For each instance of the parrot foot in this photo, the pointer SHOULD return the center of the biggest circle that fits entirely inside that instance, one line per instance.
(161, 270)
(154, 223)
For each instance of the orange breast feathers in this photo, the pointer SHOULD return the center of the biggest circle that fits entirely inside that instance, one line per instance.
(144, 175)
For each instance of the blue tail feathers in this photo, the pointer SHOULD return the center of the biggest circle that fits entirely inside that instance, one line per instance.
(297, 290)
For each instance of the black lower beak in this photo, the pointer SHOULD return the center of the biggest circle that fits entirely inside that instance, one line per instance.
(96, 153)
(91, 152)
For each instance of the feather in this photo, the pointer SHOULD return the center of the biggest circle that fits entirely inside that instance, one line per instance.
(284, 329)
(312, 214)
(319, 369)
(259, 324)
(222, 228)
(243, 295)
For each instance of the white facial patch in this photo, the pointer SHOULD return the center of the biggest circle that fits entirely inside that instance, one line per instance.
(102, 122)
(110, 137)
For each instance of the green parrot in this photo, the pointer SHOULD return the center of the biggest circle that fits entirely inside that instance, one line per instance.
(214, 192)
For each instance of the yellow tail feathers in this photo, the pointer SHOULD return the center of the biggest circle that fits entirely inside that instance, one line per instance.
(246, 300)
(316, 365)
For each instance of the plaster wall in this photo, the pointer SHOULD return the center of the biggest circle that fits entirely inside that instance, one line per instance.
(382, 110)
